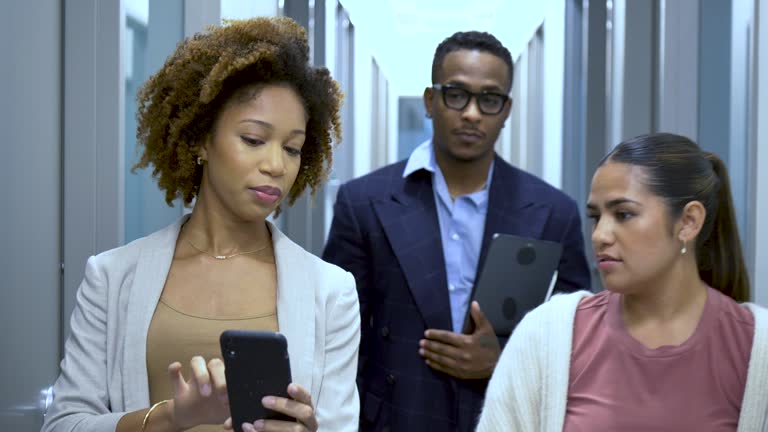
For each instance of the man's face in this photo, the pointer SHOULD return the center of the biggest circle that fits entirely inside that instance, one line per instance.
(468, 134)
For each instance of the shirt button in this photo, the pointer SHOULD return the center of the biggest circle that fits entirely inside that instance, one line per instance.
(390, 379)
(385, 331)
(451, 287)
(455, 236)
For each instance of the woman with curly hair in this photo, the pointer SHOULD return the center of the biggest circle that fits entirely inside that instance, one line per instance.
(236, 121)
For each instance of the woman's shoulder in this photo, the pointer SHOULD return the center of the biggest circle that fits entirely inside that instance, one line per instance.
(125, 256)
(568, 302)
(558, 311)
(755, 308)
(596, 301)
(326, 276)
(325, 272)
(731, 313)
(759, 315)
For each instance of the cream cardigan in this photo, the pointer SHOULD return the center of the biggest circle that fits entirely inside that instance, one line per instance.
(529, 388)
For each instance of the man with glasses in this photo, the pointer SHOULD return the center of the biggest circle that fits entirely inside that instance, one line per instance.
(415, 234)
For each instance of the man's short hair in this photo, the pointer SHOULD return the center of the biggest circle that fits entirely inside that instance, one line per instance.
(473, 41)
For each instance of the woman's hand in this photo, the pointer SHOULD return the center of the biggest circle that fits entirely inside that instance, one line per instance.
(202, 399)
(298, 407)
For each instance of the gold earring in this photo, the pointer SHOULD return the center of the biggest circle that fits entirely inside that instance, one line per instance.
(199, 160)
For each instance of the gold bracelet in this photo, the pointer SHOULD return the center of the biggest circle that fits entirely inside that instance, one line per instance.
(146, 416)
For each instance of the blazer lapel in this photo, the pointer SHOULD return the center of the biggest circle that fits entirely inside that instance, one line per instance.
(511, 209)
(412, 228)
(296, 308)
(149, 278)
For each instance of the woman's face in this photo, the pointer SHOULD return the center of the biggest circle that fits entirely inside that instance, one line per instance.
(631, 236)
(254, 153)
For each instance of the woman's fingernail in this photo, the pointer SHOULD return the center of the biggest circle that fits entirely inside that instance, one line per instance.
(205, 390)
(247, 427)
(258, 424)
(268, 402)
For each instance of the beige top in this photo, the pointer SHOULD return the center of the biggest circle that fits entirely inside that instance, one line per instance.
(177, 336)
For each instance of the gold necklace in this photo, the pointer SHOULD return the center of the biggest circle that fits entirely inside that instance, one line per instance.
(226, 257)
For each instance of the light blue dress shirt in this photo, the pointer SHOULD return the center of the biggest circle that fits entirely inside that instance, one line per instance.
(462, 223)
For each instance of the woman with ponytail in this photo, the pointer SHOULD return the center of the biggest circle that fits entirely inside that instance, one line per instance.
(670, 345)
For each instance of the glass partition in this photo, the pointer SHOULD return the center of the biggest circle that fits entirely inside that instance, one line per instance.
(152, 30)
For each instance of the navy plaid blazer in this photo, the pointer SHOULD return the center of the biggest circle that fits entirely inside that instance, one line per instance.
(385, 231)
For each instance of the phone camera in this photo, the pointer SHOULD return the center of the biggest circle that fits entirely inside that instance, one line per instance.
(231, 353)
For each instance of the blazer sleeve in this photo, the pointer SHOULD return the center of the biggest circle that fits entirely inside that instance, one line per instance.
(338, 404)
(80, 400)
(345, 248)
(573, 270)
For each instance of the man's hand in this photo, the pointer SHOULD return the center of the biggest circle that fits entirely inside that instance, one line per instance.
(471, 356)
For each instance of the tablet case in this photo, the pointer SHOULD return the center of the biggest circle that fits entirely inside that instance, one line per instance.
(518, 275)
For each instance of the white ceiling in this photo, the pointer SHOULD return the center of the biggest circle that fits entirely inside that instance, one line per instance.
(402, 34)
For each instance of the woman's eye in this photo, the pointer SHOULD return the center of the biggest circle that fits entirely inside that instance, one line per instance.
(293, 151)
(252, 141)
(622, 216)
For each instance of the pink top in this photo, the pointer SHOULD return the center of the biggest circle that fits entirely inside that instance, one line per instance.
(617, 384)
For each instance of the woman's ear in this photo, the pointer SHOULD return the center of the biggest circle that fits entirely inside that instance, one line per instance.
(201, 148)
(691, 220)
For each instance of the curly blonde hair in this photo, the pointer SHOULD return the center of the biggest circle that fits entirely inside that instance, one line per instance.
(178, 106)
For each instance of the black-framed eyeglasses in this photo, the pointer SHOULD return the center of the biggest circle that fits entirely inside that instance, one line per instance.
(457, 98)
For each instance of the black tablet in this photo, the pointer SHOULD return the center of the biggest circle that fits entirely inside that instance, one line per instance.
(518, 275)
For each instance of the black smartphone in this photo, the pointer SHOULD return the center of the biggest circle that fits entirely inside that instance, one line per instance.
(256, 365)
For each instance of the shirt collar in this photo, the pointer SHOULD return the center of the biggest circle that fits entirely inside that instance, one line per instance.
(423, 158)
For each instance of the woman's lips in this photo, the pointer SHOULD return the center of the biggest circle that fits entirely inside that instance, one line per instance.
(607, 263)
(266, 194)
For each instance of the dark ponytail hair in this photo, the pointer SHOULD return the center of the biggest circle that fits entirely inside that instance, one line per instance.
(678, 171)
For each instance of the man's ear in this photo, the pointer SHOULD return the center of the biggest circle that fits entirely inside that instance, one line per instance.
(507, 108)
(429, 94)
(691, 220)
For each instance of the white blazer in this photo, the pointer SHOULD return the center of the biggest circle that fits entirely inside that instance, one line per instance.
(104, 370)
